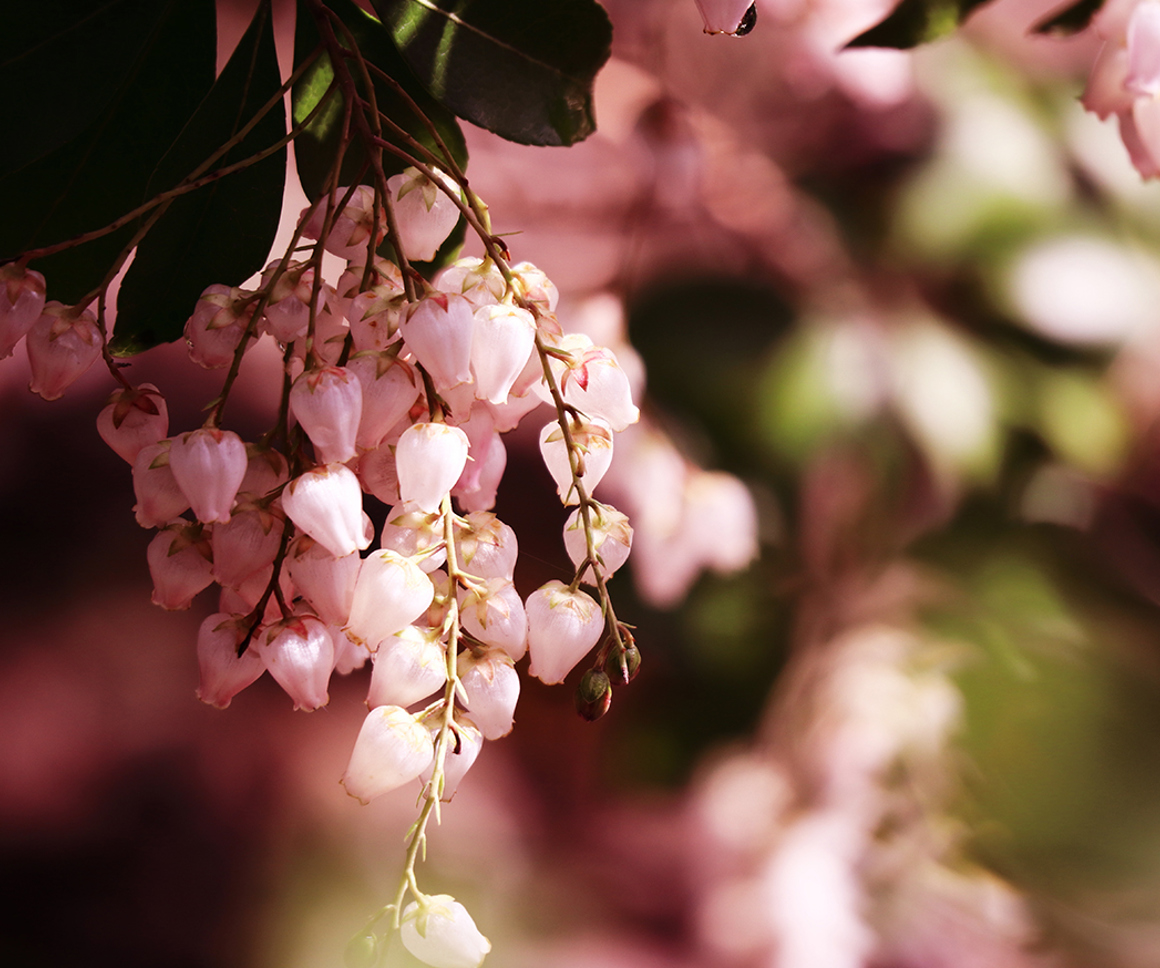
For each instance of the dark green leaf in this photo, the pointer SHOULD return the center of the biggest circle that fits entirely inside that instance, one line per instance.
(67, 61)
(104, 172)
(316, 149)
(1069, 19)
(521, 68)
(915, 22)
(223, 231)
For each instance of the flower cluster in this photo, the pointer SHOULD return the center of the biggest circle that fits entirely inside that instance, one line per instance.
(401, 389)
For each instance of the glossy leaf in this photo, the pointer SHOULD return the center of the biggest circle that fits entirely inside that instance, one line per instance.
(521, 68)
(1069, 19)
(103, 172)
(78, 61)
(221, 232)
(915, 22)
(316, 149)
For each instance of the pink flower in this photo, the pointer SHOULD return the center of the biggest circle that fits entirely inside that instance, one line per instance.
(350, 229)
(390, 593)
(611, 538)
(424, 212)
(180, 563)
(492, 686)
(159, 499)
(133, 418)
(21, 303)
(466, 742)
(389, 391)
(223, 672)
(409, 666)
(439, 331)
(248, 543)
(216, 327)
(324, 580)
(593, 440)
(327, 402)
(208, 465)
(299, 654)
(494, 614)
(504, 337)
(61, 345)
(439, 932)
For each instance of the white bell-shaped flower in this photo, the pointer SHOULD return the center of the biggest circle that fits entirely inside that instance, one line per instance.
(494, 614)
(439, 331)
(133, 418)
(413, 532)
(350, 229)
(375, 316)
(611, 538)
(439, 932)
(429, 459)
(487, 547)
(477, 279)
(223, 672)
(208, 465)
(324, 580)
(594, 383)
(328, 402)
(216, 327)
(504, 336)
(409, 666)
(424, 212)
(21, 303)
(180, 563)
(159, 499)
(492, 685)
(392, 748)
(389, 390)
(61, 345)
(390, 593)
(593, 441)
(535, 286)
(466, 742)
(563, 627)
(326, 503)
(299, 654)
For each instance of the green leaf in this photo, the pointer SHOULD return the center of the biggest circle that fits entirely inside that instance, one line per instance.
(915, 22)
(78, 62)
(521, 68)
(221, 232)
(316, 148)
(1069, 19)
(103, 172)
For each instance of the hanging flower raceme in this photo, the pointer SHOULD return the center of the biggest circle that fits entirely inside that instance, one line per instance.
(299, 654)
(425, 213)
(563, 626)
(439, 932)
(326, 503)
(209, 465)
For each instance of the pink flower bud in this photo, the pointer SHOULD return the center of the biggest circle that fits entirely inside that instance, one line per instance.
(611, 536)
(328, 404)
(326, 503)
(133, 418)
(265, 471)
(21, 303)
(159, 499)
(223, 673)
(727, 16)
(248, 543)
(487, 547)
(325, 581)
(429, 459)
(350, 228)
(504, 336)
(439, 331)
(494, 614)
(563, 626)
(61, 345)
(535, 286)
(479, 280)
(389, 391)
(299, 654)
(593, 440)
(465, 743)
(216, 327)
(409, 666)
(441, 933)
(392, 748)
(492, 686)
(390, 593)
(209, 465)
(424, 213)
(180, 563)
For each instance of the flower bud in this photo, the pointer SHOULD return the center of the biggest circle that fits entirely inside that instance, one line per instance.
(209, 465)
(593, 695)
(392, 748)
(424, 213)
(61, 345)
(429, 459)
(133, 418)
(326, 503)
(299, 653)
(223, 672)
(563, 626)
(440, 933)
(21, 303)
(623, 666)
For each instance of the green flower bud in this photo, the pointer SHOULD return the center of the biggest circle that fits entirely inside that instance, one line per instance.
(593, 695)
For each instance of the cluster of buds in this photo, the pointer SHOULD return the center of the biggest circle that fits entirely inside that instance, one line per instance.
(401, 389)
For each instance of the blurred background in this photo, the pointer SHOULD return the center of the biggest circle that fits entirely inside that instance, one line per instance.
(895, 320)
